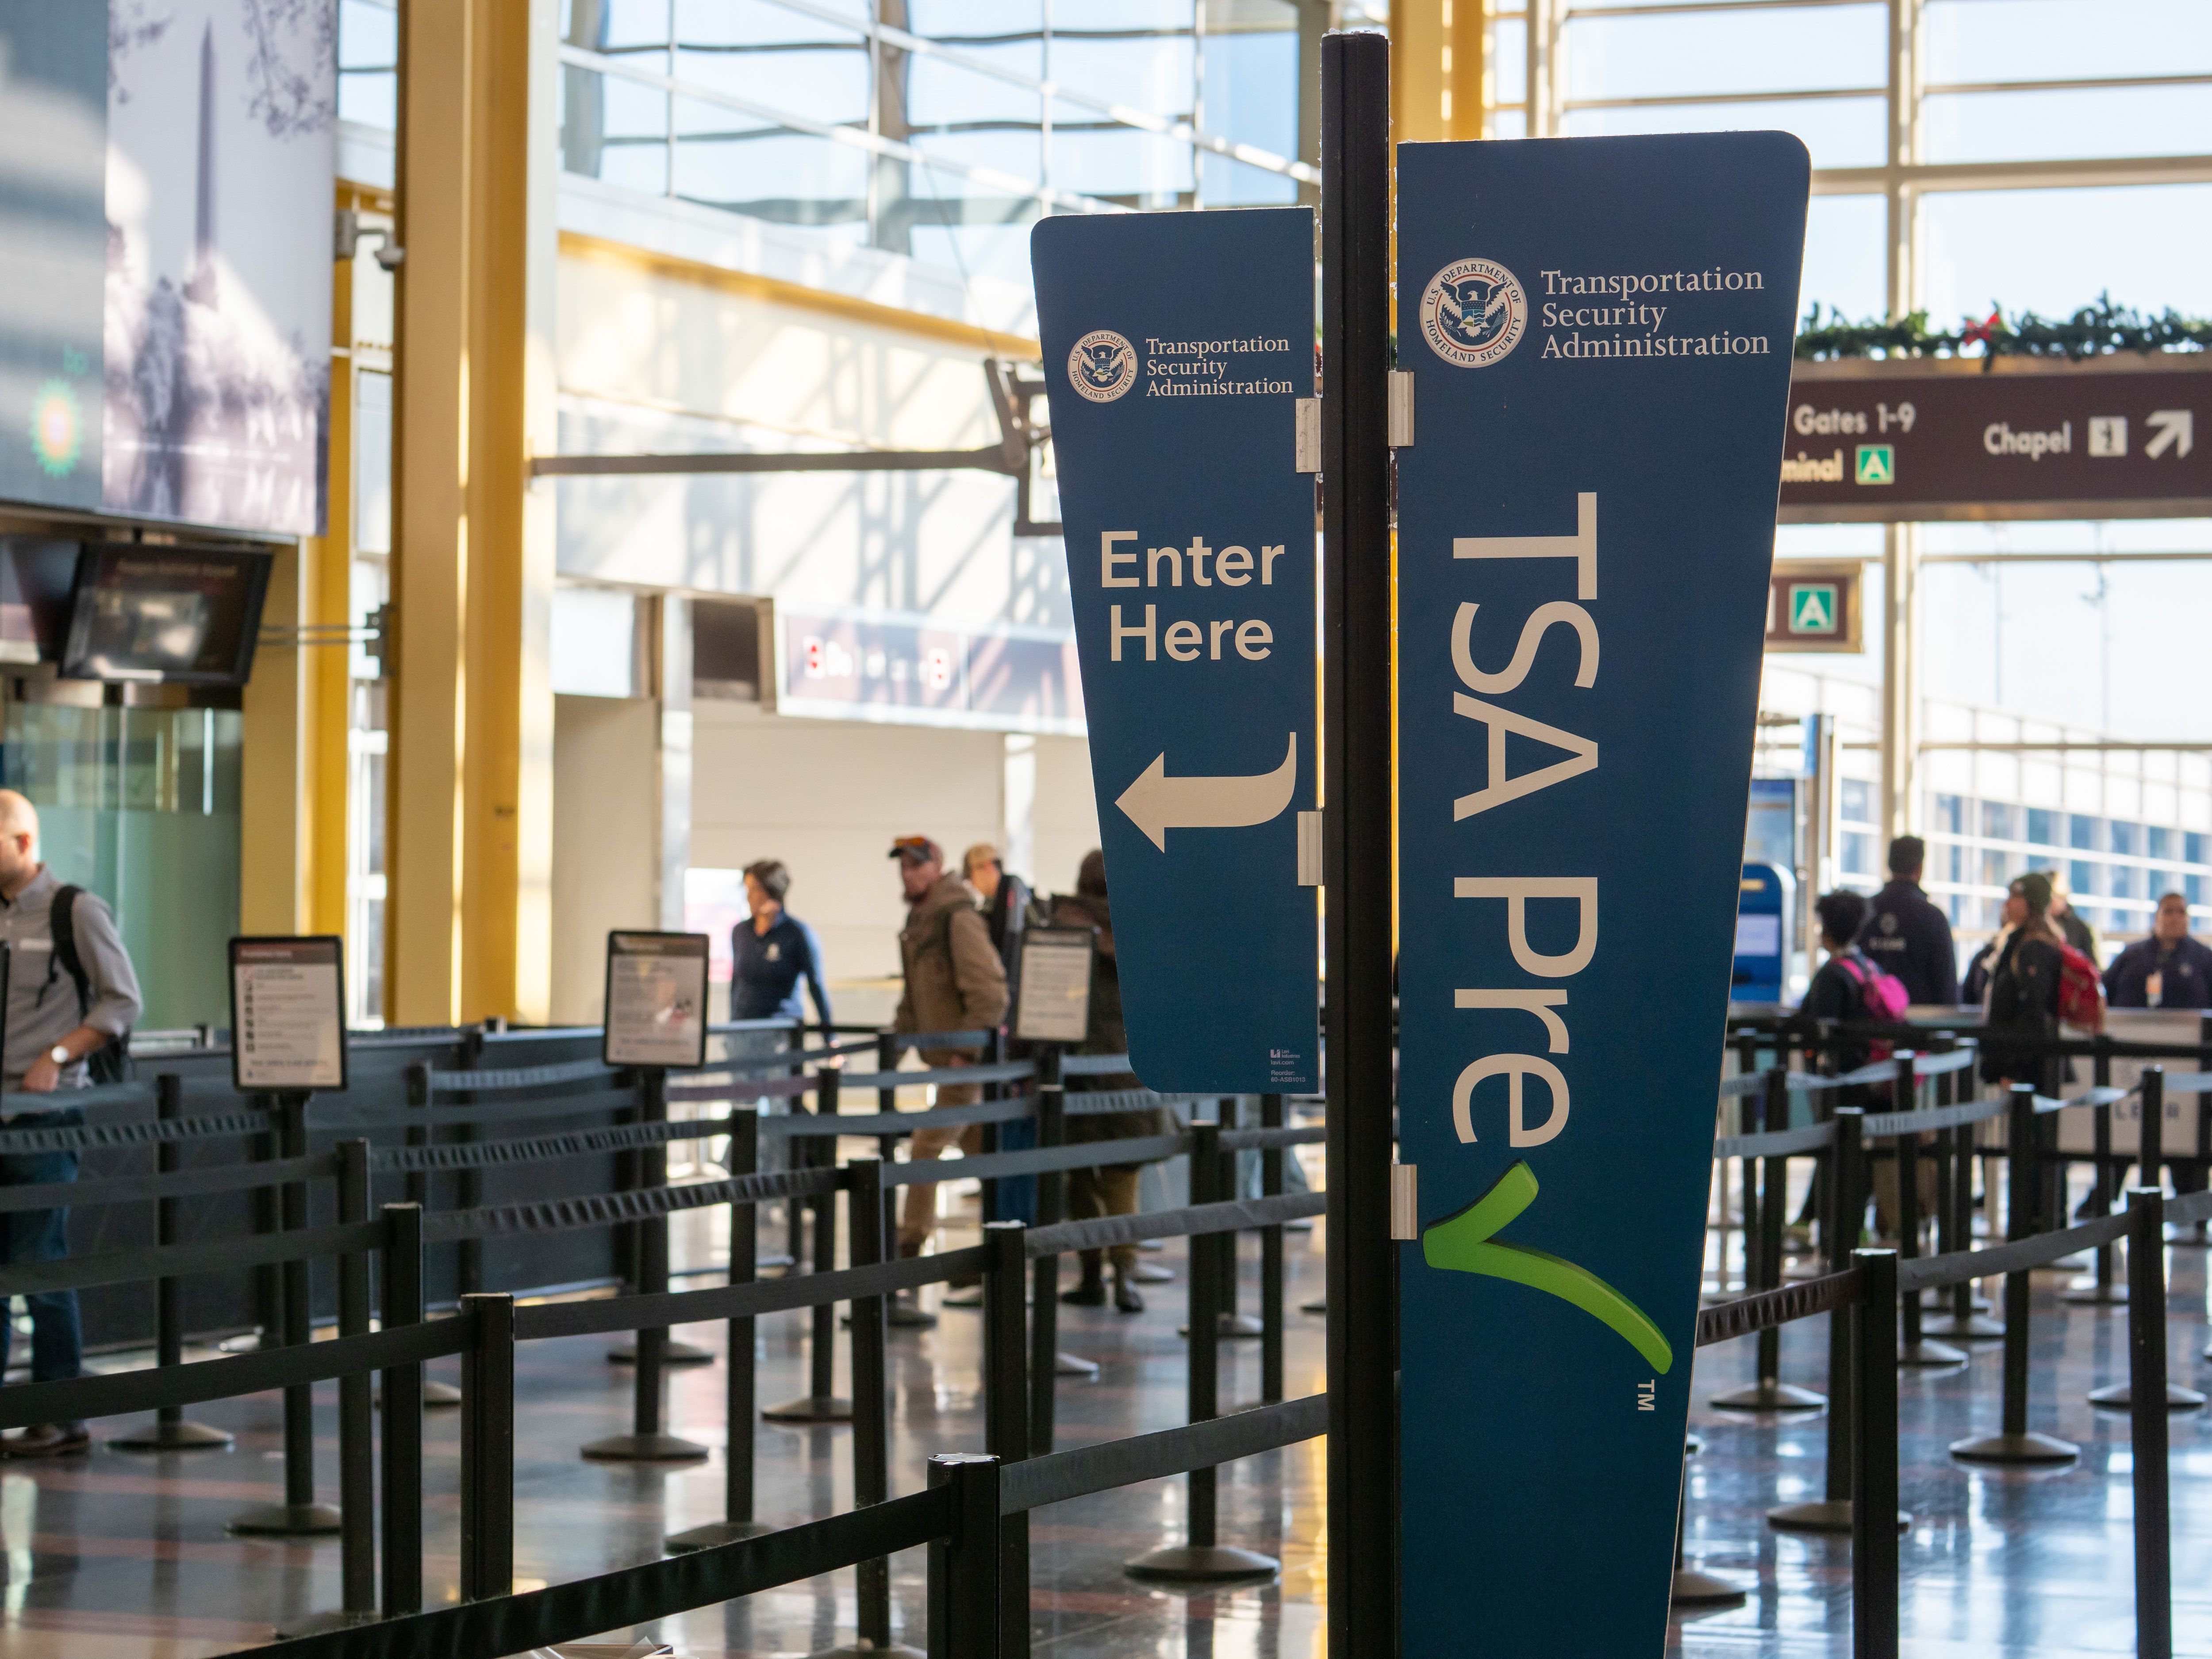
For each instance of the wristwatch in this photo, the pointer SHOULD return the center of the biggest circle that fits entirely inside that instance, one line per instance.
(60, 1055)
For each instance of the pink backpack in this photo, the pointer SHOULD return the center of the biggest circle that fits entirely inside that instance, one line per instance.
(1882, 997)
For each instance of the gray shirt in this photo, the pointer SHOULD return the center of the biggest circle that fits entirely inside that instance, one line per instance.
(42, 997)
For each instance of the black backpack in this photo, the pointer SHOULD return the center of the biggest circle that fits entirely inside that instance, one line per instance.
(111, 1062)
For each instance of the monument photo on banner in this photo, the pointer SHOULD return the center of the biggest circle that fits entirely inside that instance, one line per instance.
(288, 1013)
(1053, 999)
(1599, 331)
(1176, 348)
(656, 999)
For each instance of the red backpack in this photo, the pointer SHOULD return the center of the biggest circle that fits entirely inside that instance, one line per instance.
(2081, 992)
(1882, 998)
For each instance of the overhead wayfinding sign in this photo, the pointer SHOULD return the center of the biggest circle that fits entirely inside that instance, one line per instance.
(1599, 332)
(2026, 439)
(1176, 346)
(1813, 604)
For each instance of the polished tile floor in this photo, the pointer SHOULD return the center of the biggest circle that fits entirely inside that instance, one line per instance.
(126, 1557)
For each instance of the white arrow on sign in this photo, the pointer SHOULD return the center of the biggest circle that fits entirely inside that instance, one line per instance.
(1157, 803)
(2176, 430)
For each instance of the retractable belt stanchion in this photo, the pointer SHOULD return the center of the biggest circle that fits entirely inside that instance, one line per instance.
(820, 1403)
(1235, 1326)
(436, 1396)
(2102, 1291)
(2154, 1518)
(902, 1314)
(1844, 1211)
(650, 1238)
(170, 1431)
(1955, 1226)
(2148, 1236)
(1874, 1458)
(1201, 1561)
(737, 1520)
(649, 1442)
(299, 1515)
(1270, 1261)
(1768, 1391)
(1694, 1587)
(2014, 1443)
(964, 1590)
(488, 1448)
(2150, 1130)
(401, 1437)
(1006, 1418)
(1915, 1349)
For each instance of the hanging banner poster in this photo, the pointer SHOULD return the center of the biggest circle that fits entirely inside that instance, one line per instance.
(1599, 331)
(1176, 346)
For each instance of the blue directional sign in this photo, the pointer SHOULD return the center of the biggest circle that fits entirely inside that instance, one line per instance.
(1599, 331)
(1176, 348)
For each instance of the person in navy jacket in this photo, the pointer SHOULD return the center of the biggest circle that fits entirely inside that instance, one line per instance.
(1907, 936)
(2169, 969)
(772, 952)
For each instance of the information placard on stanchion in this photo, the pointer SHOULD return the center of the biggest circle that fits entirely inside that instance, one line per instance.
(288, 1013)
(1054, 1001)
(656, 999)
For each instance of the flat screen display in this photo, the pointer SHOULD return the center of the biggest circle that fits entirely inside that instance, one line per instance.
(183, 614)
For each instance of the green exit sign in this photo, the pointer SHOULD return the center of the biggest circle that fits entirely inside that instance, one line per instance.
(1814, 605)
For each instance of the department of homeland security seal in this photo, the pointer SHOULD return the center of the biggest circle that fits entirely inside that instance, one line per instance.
(1102, 366)
(1472, 313)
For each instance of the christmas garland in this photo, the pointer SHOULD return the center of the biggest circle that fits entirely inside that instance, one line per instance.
(2092, 332)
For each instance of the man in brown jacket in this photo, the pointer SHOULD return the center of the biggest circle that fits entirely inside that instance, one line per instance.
(955, 981)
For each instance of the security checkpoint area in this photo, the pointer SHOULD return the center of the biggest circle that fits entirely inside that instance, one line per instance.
(840, 827)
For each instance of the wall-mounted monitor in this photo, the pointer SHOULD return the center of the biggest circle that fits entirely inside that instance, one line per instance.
(185, 616)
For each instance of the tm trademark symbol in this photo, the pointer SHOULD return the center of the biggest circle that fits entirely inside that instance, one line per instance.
(1647, 1395)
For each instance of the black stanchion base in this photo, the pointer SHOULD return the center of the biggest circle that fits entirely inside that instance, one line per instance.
(1151, 1272)
(1201, 1564)
(713, 1533)
(809, 1408)
(159, 1436)
(1823, 1515)
(1693, 1589)
(322, 1624)
(2029, 1447)
(1973, 1328)
(2088, 1293)
(644, 1448)
(1068, 1365)
(676, 1353)
(1924, 1352)
(1318, 1305)
(1770, 1396)
(2121, 1397)
(289, 1521)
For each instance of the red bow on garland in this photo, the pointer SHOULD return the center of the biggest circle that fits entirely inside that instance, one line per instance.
(1985, 331)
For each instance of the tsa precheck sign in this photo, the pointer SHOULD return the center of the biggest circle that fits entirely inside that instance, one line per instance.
(1600, 336)
(1176, 348)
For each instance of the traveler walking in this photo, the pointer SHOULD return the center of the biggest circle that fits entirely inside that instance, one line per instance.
(1110, 1189)
(1907, 936)
(955, 981)
(1005, 899)
(2023, 987)
(772, 953)
(2169, 969)
(71, 994)
(1844, 988)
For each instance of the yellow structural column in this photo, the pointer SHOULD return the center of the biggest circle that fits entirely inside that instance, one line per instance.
(470, 832)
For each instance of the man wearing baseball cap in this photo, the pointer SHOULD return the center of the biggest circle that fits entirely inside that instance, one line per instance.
(955, 981)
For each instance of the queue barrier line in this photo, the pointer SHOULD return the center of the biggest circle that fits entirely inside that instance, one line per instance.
(181, 1183)
(1010, 1070)
(1857, 1033)
(180, 1260)
(539, 1149)
(1763, 1309)
(657, 1311)
(1245, 1140)
(1959, 1267)
(1804, 1083)
(2188, 1082)
(1083, 1470)
(766, 1088)
(1082, 1155)
(325, 1113)
(100, 1097)
(1940, 1117)
(905, 1039)
(2190, 1206)
(553, 1215)
(1093, 1065)
(1241, 1215)
(832, 1126)
(1748, 1083)
(1777, 1143)
(511, 1078)
(121, 1394)
(640, 1594)
(1936, 1065)
(85, 1137)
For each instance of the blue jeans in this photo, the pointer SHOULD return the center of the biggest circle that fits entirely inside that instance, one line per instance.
(27, 1236)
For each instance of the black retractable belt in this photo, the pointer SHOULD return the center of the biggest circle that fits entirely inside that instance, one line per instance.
(436, 1396)
(2102, 1292)
(2014, 1443)
(1915, 1349)
(402, 1418)
(821, 1402)
(299, 1515)
(170, 1431)
(1954, 1222)
(1768, 1392)
(1201, 1561)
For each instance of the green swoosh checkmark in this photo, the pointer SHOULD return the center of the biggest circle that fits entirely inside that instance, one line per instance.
(1463, 1243)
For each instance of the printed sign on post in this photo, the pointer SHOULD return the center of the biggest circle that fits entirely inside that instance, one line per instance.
(1599, 338)
(656, 999)
(1176, 346)
(1054, 1000)
(288, 1013)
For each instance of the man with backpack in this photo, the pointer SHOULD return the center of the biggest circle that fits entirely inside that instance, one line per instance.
(72, 998)
(1849, 988)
